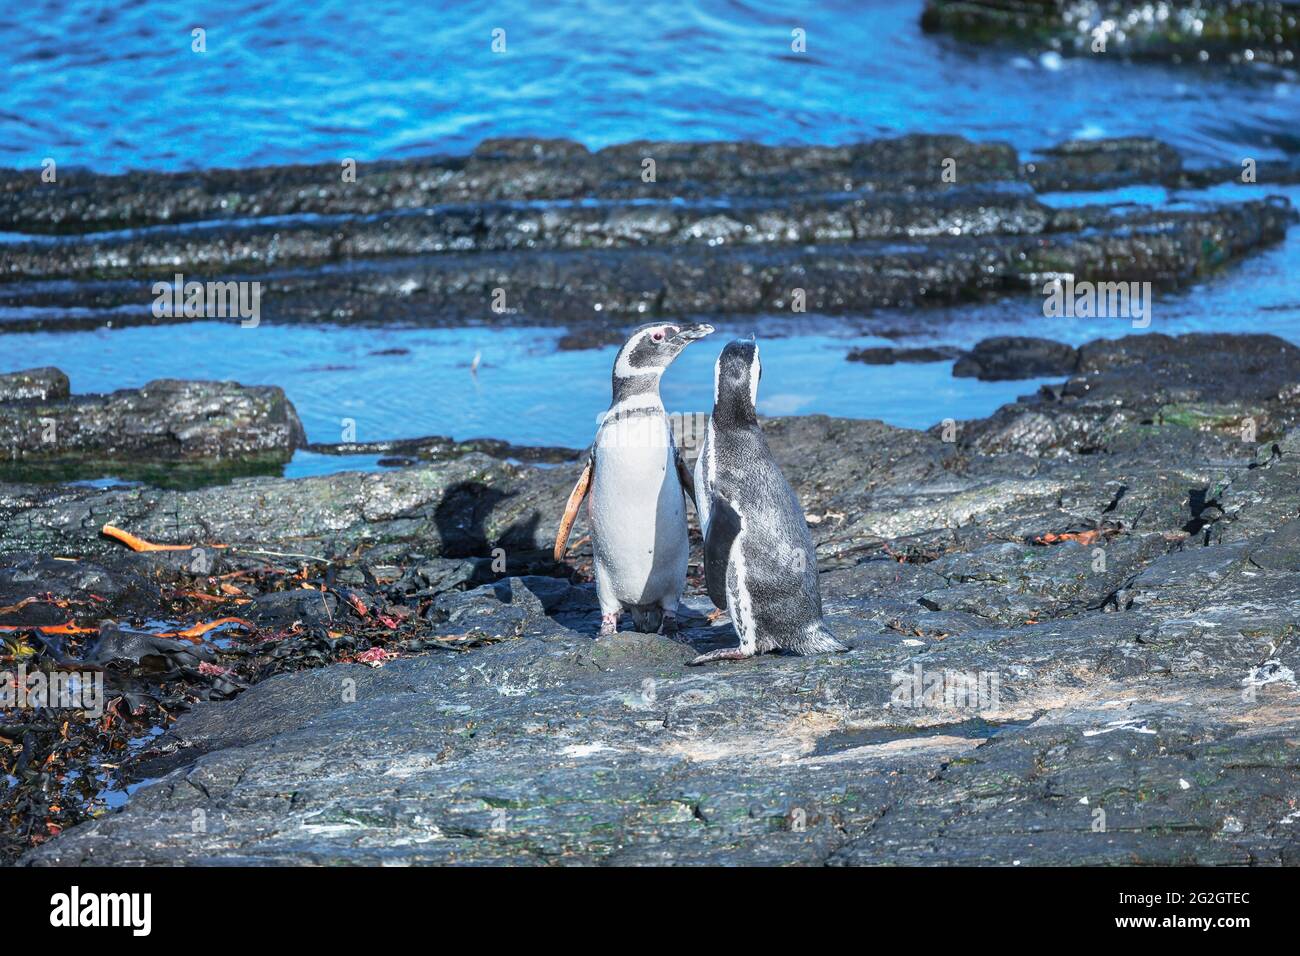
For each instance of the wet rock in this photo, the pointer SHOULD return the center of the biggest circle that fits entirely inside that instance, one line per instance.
(582, 241)
(201, 426)
(1010, 357)
(886, 355)
(127, 588)
(1104, 164)
(595, 338)
(1167, 246)
(1264, 31)
(1240, 388)
(502, 228)
(439, 448)
(530, 170)
(43, 384)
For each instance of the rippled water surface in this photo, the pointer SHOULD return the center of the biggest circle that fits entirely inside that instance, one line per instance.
(117, 86)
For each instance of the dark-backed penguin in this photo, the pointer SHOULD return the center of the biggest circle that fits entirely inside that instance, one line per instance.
(759, 560)
(635, 479)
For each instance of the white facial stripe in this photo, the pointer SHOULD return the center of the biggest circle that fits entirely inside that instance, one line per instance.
(717, 370)
(625, 369)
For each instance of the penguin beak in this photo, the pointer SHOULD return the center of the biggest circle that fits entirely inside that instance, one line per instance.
(689, 334)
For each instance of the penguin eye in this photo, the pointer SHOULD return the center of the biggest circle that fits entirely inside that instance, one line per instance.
(657, 335)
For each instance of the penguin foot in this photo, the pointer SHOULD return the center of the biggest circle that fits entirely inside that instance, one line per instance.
(669, 626)
(608, 625)
(722, 654)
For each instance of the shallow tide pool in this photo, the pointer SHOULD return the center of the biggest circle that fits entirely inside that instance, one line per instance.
(407, 383)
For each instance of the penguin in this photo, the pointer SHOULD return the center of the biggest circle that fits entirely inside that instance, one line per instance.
(759, 560)
(634, 482)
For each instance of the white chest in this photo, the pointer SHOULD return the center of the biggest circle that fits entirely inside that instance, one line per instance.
(634, 463)
(638, 516)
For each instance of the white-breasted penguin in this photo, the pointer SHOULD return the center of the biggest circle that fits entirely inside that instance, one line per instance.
(759, 560)
(635, 479)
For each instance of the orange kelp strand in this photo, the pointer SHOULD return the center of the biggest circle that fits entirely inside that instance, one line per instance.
(68, 628)
(196, 632)
(140, 544)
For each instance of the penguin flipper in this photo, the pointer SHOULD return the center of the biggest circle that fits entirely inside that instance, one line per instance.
(571, 509)
(686, 478)
(724, 525)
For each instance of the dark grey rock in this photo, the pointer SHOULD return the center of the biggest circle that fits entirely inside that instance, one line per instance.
(1235, 390)
(280, 609)
(581, 241)
(591, 338)
(1189, 31)
(42, 384)
(127, 588)
(1279, 551)
(1008, 357)
(529, 170)
(440, 448)
(887, 355)
(212, 426)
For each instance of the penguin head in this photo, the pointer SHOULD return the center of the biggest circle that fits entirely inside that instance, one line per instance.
(651, 348)
(735, 379)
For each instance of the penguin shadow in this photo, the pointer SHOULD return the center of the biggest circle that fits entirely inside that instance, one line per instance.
(699, 631)
(461, 519)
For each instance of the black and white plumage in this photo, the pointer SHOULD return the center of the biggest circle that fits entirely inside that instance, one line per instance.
(636, 481)
(759, 560)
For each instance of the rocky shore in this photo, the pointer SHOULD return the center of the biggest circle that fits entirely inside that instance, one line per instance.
(1112, 563)
(544, 232)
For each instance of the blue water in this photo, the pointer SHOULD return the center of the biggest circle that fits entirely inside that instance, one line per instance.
(524, 390)
(117, 86)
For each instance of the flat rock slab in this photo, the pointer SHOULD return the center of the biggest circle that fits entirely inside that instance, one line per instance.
(560, 748)
(576, 238)
(1079, 651)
